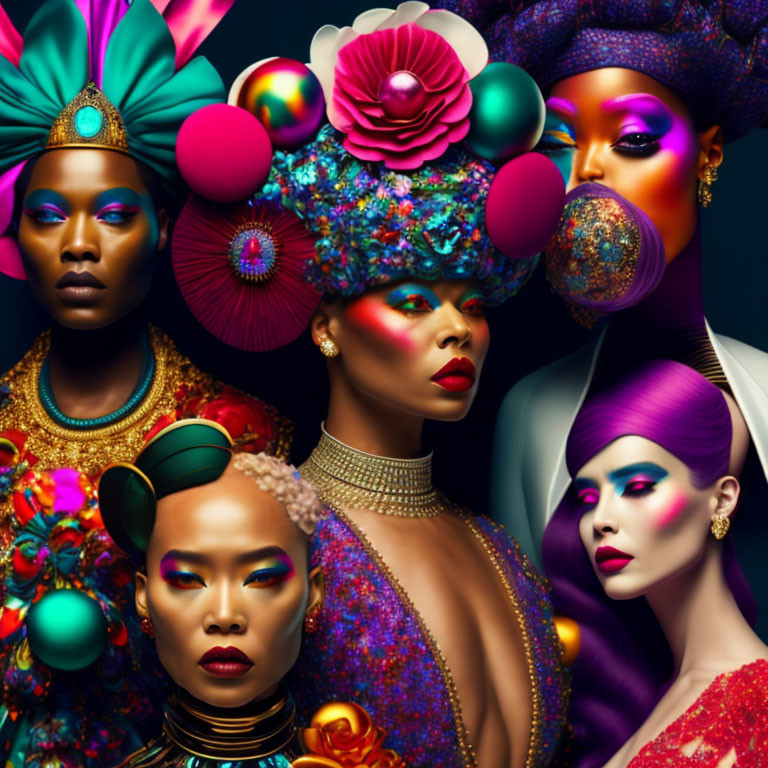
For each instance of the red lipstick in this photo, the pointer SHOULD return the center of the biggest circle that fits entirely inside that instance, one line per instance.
(456, 376)
(611, 560)
(225, 662)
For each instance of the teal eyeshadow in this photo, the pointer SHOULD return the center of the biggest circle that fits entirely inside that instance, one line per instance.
(650, 471)
(129, 197)
(470, 295)
(42, 197)
(560, 154)
(402, 292)
(269, 573)
(124, 195)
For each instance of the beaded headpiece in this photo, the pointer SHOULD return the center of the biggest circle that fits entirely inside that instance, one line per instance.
(424, 170)
(711, 52)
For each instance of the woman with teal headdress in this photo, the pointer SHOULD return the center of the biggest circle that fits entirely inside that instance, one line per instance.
(91, 101)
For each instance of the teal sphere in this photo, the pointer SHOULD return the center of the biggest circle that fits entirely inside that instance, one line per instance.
(66, 630)
(88, 121)
(507, 117)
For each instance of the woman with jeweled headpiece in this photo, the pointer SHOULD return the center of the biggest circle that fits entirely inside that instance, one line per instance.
(91, 101)
(642, 98)
(388, 235)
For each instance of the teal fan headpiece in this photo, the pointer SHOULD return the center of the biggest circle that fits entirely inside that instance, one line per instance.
(101, 83)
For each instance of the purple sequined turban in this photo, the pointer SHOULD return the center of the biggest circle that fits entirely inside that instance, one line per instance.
(714, 53)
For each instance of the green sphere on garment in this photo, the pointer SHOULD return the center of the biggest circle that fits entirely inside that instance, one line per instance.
(508, 112)
(66, 630)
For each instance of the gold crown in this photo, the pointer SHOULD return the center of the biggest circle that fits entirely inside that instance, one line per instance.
(89, 120)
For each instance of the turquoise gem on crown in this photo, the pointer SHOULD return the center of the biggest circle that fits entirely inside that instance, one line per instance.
(88, 121)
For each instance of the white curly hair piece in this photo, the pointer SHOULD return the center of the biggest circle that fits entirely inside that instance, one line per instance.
(284, 482)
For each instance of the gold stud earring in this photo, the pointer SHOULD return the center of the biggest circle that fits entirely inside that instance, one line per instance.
(720, 526)
(705, 185)
(328, 348)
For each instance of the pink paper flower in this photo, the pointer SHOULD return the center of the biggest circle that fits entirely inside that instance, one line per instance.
(396, 82)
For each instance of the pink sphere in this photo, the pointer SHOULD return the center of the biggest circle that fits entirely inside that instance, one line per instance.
(524, 205)
(402, 95)
(223, 153)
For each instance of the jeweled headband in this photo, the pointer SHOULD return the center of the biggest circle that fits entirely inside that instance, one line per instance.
(423, 171)
(714, 54)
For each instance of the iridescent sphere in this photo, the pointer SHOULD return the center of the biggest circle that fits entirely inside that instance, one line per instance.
(253, 254)
(287, 98)
(508, 112)
(402, 95)
(66, 629)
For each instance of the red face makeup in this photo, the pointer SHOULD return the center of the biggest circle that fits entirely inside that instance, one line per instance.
(416, 346)
(642, 521)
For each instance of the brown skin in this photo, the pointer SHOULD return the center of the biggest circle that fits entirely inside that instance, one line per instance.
(381, 388)
(662, 185)
(95, 357)
(381, 392)
(223, 528)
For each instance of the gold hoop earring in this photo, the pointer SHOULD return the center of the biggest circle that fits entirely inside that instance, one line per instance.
(328, 348)
(720, 525)
(705, 185)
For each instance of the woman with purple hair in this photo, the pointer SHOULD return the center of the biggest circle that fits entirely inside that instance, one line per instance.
(669, 670)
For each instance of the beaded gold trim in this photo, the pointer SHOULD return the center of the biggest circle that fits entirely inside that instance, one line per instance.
(469, 758)
(353, 478)
(537, 701)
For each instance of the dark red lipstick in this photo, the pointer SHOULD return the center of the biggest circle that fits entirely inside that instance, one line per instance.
(225, 662)
(76, 287)
(456, 376)
(611, 560)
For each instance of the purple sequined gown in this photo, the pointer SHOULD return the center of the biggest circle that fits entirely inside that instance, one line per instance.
(370, 647)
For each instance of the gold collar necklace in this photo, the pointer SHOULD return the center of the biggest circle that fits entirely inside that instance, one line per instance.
(345, 477)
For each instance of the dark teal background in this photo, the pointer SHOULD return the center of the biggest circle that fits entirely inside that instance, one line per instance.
(529, 331)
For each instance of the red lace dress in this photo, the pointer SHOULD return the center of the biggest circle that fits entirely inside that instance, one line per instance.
(731, 716)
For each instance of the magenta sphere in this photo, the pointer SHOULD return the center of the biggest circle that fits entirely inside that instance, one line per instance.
(402, 95)
(524, 205)
(223, 153)
(287, 98)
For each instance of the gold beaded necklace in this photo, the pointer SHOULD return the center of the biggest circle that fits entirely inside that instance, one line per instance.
(346, 477)
(87, 450)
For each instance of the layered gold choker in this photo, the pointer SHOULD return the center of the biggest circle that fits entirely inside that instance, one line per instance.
(345, 478)
(259, 730)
